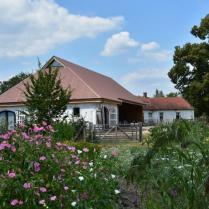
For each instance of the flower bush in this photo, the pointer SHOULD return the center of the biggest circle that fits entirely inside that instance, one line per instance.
(174, 171)
(38, 172)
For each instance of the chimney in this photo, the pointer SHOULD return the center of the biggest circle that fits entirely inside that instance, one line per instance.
(145, 94)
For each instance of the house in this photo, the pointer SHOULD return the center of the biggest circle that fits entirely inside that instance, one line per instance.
(166, 109)
(95, 97)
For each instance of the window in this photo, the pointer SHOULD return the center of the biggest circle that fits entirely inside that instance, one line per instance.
(76, 112)
(150, 115)
(113, 116)
(178, 115)
(55, 64)
(20, 116)
(7, 120)
(161, 116)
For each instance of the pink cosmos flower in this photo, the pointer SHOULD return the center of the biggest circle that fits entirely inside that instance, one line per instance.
(114, 153)
(66, 188)
(42, 158)
(21, 125)
(25, 136)
(41, 202)
(2, 147)
(27, 185)
(38, 129)
(50, 128)
(5, 136)
(85, 149)
(20, 202)
(77, 162)
(14, 202)
(71, 148)
(11, 174)
(53, 198)
(37, 167)
(43, 189)
(13, 148)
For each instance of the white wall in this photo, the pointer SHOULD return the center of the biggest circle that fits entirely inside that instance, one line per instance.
(87, 111)
(168, 115)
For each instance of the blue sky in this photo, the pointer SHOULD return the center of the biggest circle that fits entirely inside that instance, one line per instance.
(130, 41)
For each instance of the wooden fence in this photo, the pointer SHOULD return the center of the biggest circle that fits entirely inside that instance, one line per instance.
(131, 131)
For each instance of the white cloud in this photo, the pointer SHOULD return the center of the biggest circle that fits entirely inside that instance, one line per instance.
(119, 43)
(154, 73)
(32, 27)
(150, 46)
(161, 55)
(147, 80)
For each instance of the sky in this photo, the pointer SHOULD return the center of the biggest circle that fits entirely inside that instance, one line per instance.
(131, 41)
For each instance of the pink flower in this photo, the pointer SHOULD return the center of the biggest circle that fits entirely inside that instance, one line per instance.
(53, 198)
(2, 147)
(77, 162)
(27, 185)
(43, 189)
(37, 167)
(11, 174)
(38, 129)
(66, 188)
(85, 149)
(71, 148)
(41, 202)
(59, 144)
(14, 202)
(20, 202)
(48, 144)
(25, 136)
(13, 148)
(50, 128)
(5, 136)
(42, 158)
(21, 125)
(114, 153)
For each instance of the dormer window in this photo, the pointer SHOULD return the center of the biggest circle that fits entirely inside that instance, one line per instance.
(55, 65)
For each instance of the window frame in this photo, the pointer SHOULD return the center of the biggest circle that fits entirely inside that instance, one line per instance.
(77, 115)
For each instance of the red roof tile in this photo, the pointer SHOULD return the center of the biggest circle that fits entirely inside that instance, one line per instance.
(166, 103)
(85, 85)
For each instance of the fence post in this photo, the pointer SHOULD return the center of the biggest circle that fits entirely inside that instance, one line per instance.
(140, 131)
(84, 132)
(116, 131)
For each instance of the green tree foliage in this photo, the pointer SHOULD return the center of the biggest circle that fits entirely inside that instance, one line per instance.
(190, 72)
(172, 94)
(5, 85)
(159, 93)
(46, 100)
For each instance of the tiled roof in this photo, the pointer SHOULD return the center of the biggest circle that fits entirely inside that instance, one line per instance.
(85, 85)
(166, 103)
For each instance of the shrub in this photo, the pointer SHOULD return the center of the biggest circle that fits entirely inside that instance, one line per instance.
(173, 173)
(38, 172)
(65, 131)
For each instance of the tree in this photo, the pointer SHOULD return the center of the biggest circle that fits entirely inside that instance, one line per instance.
(159, 93)
(190, 72)
(5, 85)
(46, 100)
(172, 94)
